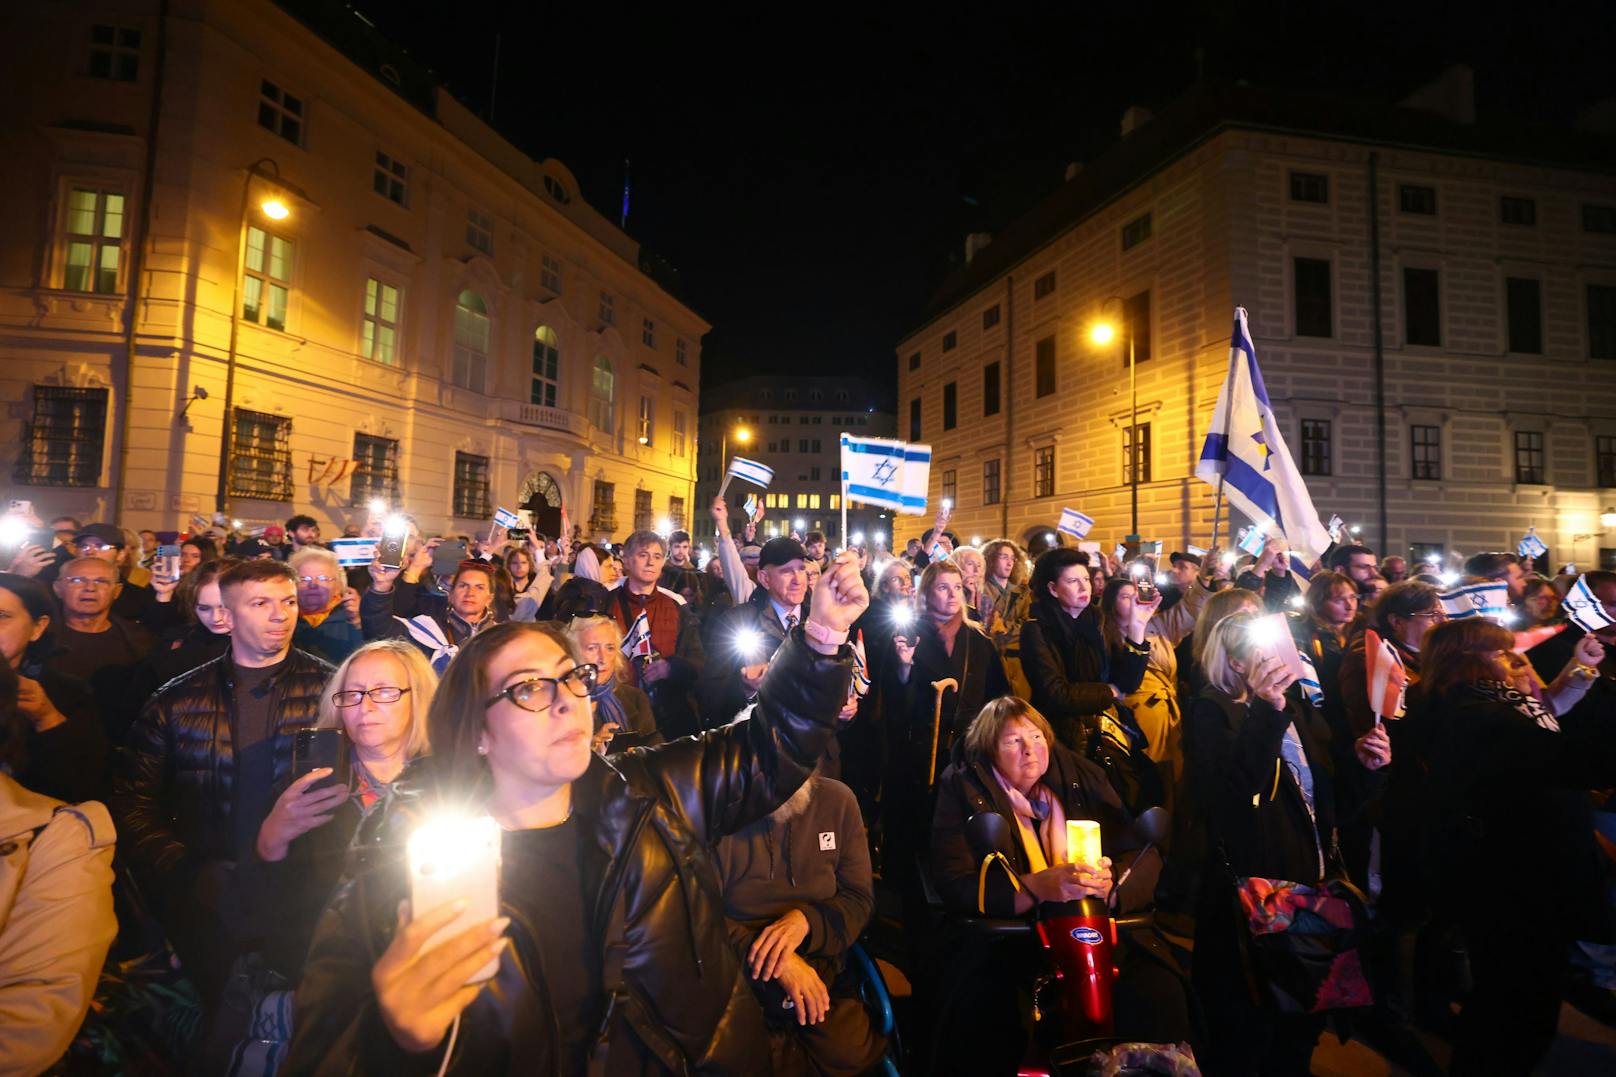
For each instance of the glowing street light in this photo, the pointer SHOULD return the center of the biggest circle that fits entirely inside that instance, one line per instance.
(275, 209)
(1102, 333)
(1607, 518)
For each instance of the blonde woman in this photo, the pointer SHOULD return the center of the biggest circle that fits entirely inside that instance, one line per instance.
(1004, 605)
(623, 716)
(972, 570)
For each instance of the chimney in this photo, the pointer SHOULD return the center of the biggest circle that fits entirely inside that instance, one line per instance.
(1133, 118)
(1072, 170)
(1451, 95)
(974, 242)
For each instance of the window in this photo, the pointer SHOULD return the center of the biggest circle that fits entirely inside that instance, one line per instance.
(114, 53)
(914, 361)
(1315, 446)
(602, 395)
(1312, 286)
(1043, 471)
(391, 179)
(1601, 321)
(1135, 232)
(813, 474)
(1607, 558)
(1425, 452)
(470, 343)
(816, 395)
(647, 414)
(816, 443)
(1137, 450)
(1136, 312)
(990, 481)
(608, 309)
(1422, 310)
(377, 473)
(1517, 210)
(990, 317)
(546, 367)
(603, 507)
(648, 332)
(950, 406)
(267, 281)
(1044, 367)
(914, 419)
(1605, 460)
(94, 235)
(556, 190)
(1524, 301)
(642, 510)
(1044, 285)
(379, 327)
(480, 231)
(950, 484)
(61, 442)
(1529, 469)
(1412, 198)
(550, 274)
(802, 444)
(835, 502)
(990, 389)
(280, 112)
(261, 456)
(950, 340)
(678, 433)
(680, 356)
(471, 487)
(676, 511)
(1310, 187)
(1600, 219)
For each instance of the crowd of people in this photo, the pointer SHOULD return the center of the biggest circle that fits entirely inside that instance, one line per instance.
(709, 773)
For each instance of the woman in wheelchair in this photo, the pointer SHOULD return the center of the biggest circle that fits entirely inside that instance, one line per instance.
(1010, 763)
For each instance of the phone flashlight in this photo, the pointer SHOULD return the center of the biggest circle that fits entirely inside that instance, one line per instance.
(1263, 634)
(1163, 579)
(1298, 601)
(395, 526)
(903, 615)
(748, 644)
(858, 538)
(948, 503)
(1229, 557)
(13, 531)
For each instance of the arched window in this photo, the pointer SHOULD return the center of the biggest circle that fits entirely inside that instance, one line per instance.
(546, 367)
(471, 342)
(602, 394)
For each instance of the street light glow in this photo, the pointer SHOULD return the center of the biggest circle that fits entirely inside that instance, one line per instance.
(275, 209)
(743, 434)
(1102, 333)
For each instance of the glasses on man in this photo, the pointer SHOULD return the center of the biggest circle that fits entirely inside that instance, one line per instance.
(382, 693)
(87, 581)
(1429, 615)
(538, 694)
(310, 581)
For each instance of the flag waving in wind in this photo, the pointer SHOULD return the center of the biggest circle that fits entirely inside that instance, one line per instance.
(1245, 451)
(753, 472)
(892, 474)
(637, 642)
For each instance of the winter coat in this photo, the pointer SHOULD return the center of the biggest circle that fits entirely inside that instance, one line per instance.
(1071, 671)
(720, 690)
(69, 761)
(675, 996)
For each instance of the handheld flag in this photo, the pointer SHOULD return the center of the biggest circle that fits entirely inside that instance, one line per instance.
(1585, 609)
(1074, 523)
(754, 511)
(1300, 567)
(637, 641)
(1252, 540)
(1150, 549)
(1489, 600)
(891, 474)
(750, 470)
(1120, 553)
(1531, 546)
(1245, 454)
(1334, 527)
(861, 669)
(566, 531)
(1527, 638)
(1387, 677)
(506, 518)
(1196, 550)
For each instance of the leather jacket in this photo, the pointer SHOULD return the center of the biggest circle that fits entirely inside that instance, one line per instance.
(675, 998)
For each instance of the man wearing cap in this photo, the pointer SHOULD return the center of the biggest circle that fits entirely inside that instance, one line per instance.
(747, 636)
(135, 601)
(669, 672)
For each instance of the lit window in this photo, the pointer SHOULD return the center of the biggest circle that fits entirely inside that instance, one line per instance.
(546, 367)
(267, 282)
(380, 329)
(94, 237)
(678, 433)
(280, 112)
(602, 394)
(647, 413)
(390, 179)
(470, 342)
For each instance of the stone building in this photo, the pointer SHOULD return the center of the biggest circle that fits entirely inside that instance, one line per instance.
(1405, 269)
(263, 220)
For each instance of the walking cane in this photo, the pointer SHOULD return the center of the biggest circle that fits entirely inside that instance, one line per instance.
(937, 724)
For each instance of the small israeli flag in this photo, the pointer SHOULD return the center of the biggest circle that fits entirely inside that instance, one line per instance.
(1334, 527)
(751, 506)
(892, 474)
(1196, 550)
(753, 472)
(1150, 549)
(1252, 540)
(1530, 545)
(1585, 609)
(637, 642)
(1489, 600)
(506, 518)
(1074, 523)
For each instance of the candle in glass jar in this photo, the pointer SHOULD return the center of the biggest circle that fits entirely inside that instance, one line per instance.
(1083, 842)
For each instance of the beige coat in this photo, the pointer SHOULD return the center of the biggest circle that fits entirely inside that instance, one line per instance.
(56, 922)
(1155, 704)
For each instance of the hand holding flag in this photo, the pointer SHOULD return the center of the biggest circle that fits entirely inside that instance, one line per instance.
(1585, 609)
(1387, 677)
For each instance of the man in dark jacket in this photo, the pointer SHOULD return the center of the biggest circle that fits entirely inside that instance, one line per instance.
(203, 761)
(747, 636)
(671, 656)
(99, 648)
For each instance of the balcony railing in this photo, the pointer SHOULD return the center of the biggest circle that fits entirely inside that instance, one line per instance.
(549, 418)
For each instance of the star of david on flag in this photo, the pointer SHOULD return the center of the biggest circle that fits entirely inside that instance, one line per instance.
(891, 474)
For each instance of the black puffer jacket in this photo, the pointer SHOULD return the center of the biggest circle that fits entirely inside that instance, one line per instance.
(173, 796)
(676, 999)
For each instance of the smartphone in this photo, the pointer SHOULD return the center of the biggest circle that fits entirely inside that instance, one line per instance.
(518, 534)
(20, 508)
(390, 551)
(167, 562)
(447, 557)
(315, 748)
(453, 859)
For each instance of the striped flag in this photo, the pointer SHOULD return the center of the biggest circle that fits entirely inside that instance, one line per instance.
(1245, 453)
(861, 669)
(891, 474)
(1300, 567)
(750, 470)
(506, 518)
(1585, 609)
(1387, 677)
(637, 641)
(1531, 546)
(1489, 600)
(1074, 523)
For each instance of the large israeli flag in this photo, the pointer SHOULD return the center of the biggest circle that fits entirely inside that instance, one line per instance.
(1245, 449)
(892, 474)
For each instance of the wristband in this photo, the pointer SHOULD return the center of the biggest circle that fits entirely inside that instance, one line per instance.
(1590, 672)
(820, 634)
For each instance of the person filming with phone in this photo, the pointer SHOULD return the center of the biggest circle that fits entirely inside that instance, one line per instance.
(594, 903)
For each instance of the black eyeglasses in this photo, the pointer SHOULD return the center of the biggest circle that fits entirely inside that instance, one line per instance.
(385, 693)
(538, 694)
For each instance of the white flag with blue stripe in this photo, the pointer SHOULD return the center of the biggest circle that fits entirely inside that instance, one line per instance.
(1530, 545)
(1074, 523)
(892, 474)
(1489, 600)
(506, 518)
(1245, 450)
(1585, 609)
(753, 472)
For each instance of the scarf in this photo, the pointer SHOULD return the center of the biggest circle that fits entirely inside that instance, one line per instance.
(1040, 820)
(428, 634)
(1528, 706)
(608, 708)
(948, 631)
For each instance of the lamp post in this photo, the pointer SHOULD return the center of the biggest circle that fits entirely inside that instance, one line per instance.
(743, 435)
(1102, 333)
(275, 207)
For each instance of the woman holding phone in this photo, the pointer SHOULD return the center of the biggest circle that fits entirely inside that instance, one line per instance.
(611, 947)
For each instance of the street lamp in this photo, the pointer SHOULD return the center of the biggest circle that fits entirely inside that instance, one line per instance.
(1102, 333)
(274, 207)
(1607, 518)
(743, 435)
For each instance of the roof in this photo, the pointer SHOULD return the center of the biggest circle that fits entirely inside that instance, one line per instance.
(1207, 111)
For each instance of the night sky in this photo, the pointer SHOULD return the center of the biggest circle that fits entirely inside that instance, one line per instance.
(813, 180)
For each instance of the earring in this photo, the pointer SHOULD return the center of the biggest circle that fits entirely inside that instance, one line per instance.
(482, 749)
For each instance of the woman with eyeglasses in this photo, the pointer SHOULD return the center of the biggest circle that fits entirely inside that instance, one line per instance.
(328, 623)
(623, 717)
(612, 949)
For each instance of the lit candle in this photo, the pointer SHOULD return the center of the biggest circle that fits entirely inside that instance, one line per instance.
(1083, 842)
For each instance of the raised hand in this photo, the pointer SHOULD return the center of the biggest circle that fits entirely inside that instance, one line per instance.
(839, 596)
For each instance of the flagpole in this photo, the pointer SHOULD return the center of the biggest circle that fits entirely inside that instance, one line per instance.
(842, 467)
(1228, 409)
